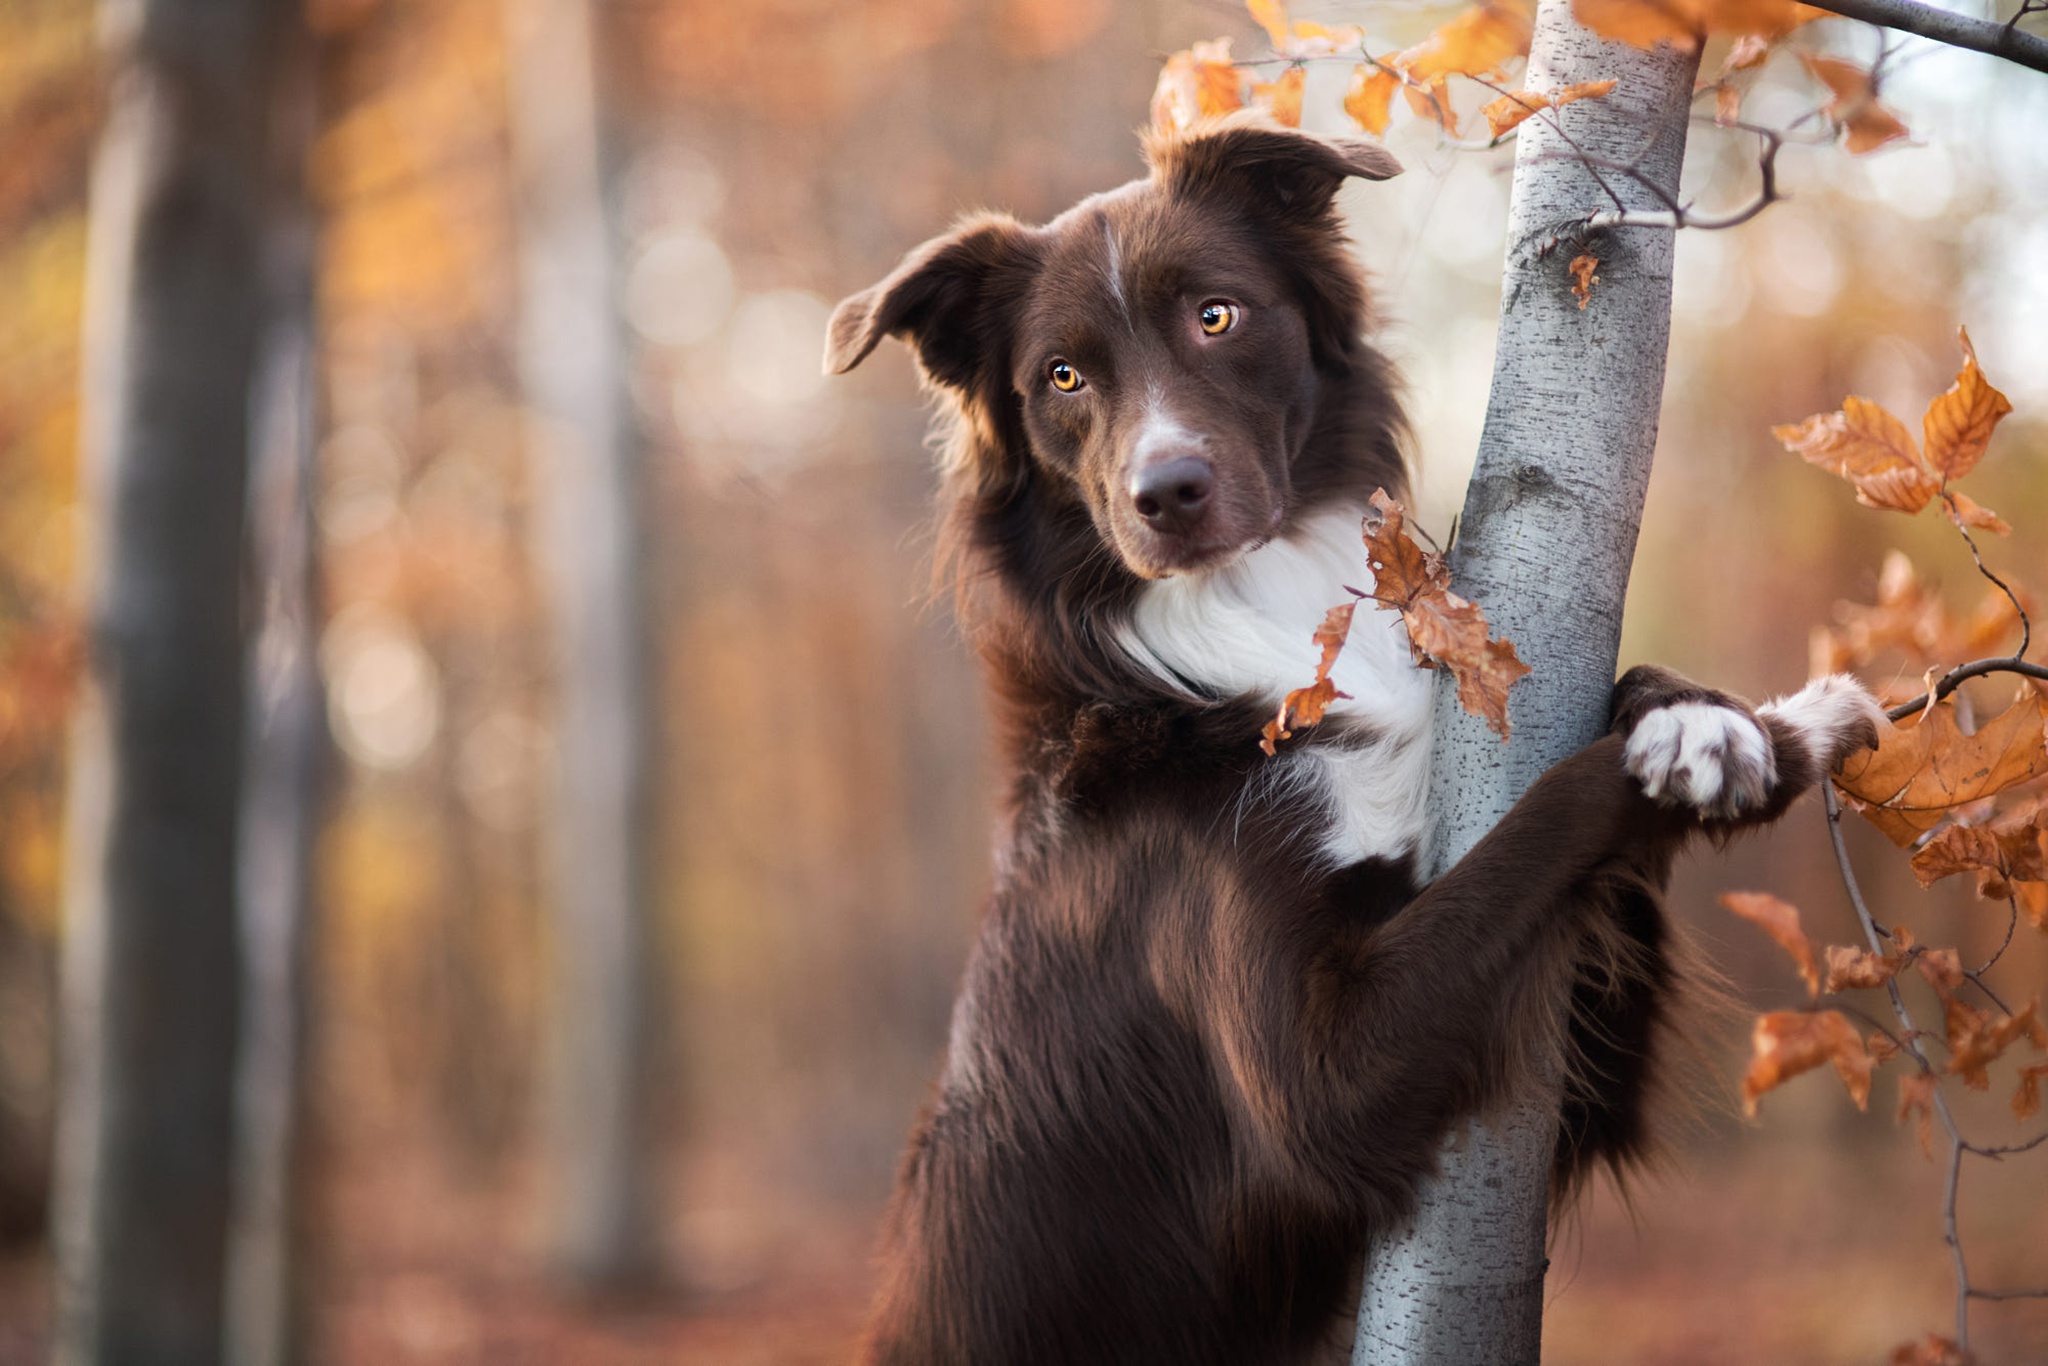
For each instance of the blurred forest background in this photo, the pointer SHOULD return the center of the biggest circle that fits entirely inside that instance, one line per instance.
(545, 489)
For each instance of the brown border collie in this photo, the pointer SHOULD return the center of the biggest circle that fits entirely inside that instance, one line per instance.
(1213, 1032)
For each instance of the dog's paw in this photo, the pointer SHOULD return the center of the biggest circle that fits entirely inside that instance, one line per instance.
(1831, 718)
(1711, 757)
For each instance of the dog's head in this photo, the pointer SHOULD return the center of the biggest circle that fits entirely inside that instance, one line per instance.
(1158, 350)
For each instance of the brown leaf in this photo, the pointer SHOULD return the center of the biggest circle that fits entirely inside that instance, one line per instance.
(1444, 629)
(1966, 511)
(1857, 969)
(1932, 1350)
(1196, 84)
(1780, 920)
(1282, 98)
(1943, 968)
(1926, 765)
(1478, 42)
(1685, 24)
(2027, 1100)
(2001, 853)
(1788, 1042)
(1916, 1097)
(1306, 706)
(1959, 423)
(1975, 1043)
(1508, 112)
(1869, 447)
(1583, 278)
(1854, 107)
(1881, 1048)
(1371, 97)
(1909, 616)
(1432, 102)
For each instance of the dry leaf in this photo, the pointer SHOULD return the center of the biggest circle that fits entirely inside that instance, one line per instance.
(1508, 112)
(2006, 851)
(1854, 107)
(1686, 23)
(1780, 920)
(1432, 102)
(1959, 423)
(1975, 1043)
(1858, 969)
(1916, 1097)
(1925, 766)
(1881, 1048)
(1305, 706)
(1909, 616)
(1788, 1042)
(1583, 278)
(1444, 630)
(1870, 448)
(1966, 511)
(2027, 1100)
(1282, 98)
(1196, 84)
(1932, 1350)
(1370, 99)
(1270, 15)
(1943, 969)
(1479, 42)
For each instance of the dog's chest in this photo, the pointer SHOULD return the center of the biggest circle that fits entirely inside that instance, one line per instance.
(1248, 629)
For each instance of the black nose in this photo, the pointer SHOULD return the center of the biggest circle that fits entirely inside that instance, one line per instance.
(1172, 495)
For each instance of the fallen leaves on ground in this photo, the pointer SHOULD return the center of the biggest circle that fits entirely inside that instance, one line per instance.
(1789, 1042)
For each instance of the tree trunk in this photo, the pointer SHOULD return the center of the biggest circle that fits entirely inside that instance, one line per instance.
(1545, 543)
(267, 1294)
(152, 976)
(587, 455)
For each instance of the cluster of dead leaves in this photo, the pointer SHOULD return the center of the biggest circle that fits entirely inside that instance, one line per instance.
(1786, 1043)
(1911, 618)
(1873, 450)
(1444, 630)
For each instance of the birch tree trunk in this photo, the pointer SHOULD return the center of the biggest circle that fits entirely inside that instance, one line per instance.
(587, 456)
(152, 970)
(1545, 543)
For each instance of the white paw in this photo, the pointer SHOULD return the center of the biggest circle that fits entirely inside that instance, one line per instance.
(1833, 718)
(1702, 755)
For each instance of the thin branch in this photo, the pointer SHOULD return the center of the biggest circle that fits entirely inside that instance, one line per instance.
(1943, 26)
(1963, 673)
(2009, 1294)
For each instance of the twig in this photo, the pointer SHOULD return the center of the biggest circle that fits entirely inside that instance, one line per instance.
(1943, 26)
(1963, 673)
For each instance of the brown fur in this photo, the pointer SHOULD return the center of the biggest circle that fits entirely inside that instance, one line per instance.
(1194, 1070)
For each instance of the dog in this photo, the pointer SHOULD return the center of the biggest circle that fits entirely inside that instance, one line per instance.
(1214, 1032)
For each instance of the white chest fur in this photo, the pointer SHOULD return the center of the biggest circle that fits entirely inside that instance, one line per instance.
(1247, 627)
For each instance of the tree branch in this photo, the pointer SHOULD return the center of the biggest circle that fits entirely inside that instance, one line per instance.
(1943, 26)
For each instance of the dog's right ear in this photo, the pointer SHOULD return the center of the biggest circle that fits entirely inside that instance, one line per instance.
(939, 301)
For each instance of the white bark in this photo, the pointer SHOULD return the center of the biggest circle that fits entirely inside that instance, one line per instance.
(1545, 544)
(587, 457)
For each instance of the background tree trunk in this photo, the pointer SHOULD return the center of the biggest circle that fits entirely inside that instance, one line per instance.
(1545, 543)
(587, 456)
(267, 1294)
(152, 976)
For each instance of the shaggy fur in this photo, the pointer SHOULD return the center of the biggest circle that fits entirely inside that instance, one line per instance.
(1213, 1032)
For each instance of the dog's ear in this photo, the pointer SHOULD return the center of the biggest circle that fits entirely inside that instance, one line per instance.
(1282, 168)
(939, 301)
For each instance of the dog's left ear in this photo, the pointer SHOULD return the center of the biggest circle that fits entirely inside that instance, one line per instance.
(1281, 167)
(941, 300)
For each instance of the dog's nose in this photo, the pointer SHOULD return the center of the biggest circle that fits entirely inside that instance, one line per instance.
(1172, 495)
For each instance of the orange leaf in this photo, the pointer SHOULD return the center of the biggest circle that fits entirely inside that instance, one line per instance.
(1788, 1042)
(1780, 920)
(1916, 1097)
(2001, 853)
(1443, 629)
(1932, 1350)
(1959, 423)
(1508, 112)
(1282, 98)
(1432, 102)
(1856, 969)
(1305, 706)
(1686, 23)
(1870, 448)
(1854, 107)
(1975, 1043)
(2027, 1100)
(1943, 969)
(1370, 99)
(1966, 511)
(1583, 278)
(1196, 84)
(1270, 15)
(1881, 1048)
(1479, 42)
(1926, 765)
(1909, 616)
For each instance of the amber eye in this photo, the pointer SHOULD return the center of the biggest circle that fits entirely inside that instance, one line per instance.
(1217, 317)
(1064, 377)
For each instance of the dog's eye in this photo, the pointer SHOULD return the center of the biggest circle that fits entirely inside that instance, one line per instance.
(1064, 377)
(1217, 317)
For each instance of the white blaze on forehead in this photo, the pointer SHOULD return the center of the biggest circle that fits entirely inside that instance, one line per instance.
(1116, 273)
